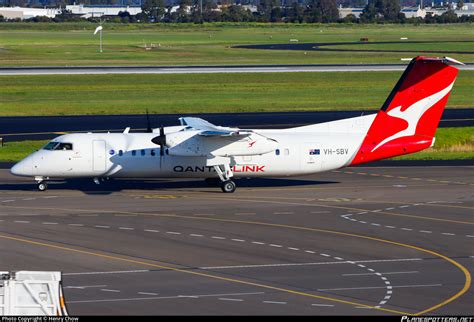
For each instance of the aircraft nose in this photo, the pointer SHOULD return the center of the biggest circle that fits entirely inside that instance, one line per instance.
(22, 168)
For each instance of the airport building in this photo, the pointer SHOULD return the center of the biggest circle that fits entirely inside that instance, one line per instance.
(88, 11)
(410, 12)
(27, 13)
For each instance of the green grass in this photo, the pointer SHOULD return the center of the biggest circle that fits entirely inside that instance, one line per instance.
(205, 93)
(15, 151)
(30, 44)
(451, 144)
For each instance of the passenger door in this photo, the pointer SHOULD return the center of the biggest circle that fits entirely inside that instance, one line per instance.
(99, 156)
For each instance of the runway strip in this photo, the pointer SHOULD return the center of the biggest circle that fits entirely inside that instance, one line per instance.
(98, 70)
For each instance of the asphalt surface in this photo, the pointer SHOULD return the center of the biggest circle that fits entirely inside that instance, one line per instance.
(358, 241)
(323, 46)
(47, 127)
(97, 70)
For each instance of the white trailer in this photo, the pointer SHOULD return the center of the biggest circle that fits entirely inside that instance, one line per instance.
(31, 293)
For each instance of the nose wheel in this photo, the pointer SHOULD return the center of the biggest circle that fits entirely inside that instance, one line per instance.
(42, 186)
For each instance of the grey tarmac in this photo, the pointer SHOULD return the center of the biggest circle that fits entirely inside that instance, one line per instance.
(355, 241)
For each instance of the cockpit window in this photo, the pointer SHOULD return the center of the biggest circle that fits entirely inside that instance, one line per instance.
(58, 146)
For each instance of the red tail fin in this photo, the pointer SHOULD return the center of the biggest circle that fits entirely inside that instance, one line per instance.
(409, 117)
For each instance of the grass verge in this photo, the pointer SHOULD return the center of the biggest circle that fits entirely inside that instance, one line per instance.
(455, 143)
(205, 93)
(69, 44)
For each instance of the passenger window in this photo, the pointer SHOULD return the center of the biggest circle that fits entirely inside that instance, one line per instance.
(152, 152)
(134, 153)
(143, 153)
(277, 151)
(120, 153)
(287, 152)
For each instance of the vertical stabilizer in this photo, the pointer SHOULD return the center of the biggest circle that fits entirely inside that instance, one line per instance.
(409, 117)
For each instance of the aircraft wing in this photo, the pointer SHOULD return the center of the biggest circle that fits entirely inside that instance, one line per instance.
(209, 129)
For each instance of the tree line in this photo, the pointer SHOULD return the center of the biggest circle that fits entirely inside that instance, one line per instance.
(313, 11)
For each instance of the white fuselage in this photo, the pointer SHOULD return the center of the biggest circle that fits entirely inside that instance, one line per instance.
(297, 151)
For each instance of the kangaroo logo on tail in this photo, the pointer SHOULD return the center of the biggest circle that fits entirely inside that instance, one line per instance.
(413, 114)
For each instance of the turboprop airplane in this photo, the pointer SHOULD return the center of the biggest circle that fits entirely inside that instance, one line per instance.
(406, 123)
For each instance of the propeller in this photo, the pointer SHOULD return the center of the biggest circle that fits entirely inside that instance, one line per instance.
(160, 140)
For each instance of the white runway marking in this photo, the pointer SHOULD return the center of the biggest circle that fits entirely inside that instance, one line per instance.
(165, 297)
(385, 273)
(312, 263)
(109, 272)
(273, 302)
(377, 287)
(349, 217)
(84, 287)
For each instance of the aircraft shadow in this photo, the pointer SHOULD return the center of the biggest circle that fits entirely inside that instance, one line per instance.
(115, 185)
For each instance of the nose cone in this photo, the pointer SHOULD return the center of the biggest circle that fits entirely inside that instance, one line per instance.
(22, 168)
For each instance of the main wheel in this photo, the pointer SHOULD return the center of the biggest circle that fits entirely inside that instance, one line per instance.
(228, 186)
(42, 186)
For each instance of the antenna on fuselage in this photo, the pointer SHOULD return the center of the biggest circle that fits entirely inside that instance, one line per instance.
(148, 123)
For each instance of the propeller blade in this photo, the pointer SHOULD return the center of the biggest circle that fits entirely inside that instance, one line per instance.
(163, 140)
(160, 140)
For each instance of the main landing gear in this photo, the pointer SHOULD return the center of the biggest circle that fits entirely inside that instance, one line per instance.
(227, 185)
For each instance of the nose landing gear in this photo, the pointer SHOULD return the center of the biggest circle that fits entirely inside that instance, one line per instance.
(42, 184)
